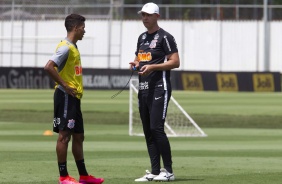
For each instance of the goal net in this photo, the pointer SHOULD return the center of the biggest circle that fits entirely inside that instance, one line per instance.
(178, 123)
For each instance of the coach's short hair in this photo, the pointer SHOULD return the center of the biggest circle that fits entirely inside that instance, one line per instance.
(73, 20)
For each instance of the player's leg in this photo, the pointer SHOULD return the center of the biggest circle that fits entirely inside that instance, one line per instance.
(58, 127)
(152, 150)
(62, 147)
(62, 105)
(160, 102)
(144, 109)
(78, 138)
(61, 150)
(77, 148)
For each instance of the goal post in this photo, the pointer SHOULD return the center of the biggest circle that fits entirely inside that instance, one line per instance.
(178, 122)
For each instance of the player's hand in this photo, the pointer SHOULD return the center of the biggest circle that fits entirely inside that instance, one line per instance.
(71, 91)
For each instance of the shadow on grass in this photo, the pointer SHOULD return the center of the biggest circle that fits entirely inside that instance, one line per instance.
(188, 180)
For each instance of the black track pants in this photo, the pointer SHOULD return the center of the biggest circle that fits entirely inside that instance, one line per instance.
(153, 108)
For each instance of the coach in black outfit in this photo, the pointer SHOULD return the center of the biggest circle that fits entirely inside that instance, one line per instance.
(156, 55)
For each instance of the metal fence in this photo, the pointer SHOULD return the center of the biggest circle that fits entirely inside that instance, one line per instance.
(17, 12)
(118, 10)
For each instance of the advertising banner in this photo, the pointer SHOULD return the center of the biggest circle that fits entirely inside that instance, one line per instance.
(230, 81)
(37, 78)
(24, 78)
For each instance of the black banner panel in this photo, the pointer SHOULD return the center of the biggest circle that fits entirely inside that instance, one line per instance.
(231, 81)
(29, 78)
(37, 78)
(107, 78)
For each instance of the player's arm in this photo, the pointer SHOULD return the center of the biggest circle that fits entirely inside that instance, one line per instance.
(50, 69)
(172, 62)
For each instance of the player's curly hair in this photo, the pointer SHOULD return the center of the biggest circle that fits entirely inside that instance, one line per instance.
(73, 20)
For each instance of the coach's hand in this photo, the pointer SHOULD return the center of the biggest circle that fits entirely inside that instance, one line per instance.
(134, 66)
(145, 70)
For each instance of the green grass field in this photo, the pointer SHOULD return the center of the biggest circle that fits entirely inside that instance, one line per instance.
(243, 143)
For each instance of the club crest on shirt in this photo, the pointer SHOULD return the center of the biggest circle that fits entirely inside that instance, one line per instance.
(71, 123)
(156, 36)
(144, 36)
(153, 44)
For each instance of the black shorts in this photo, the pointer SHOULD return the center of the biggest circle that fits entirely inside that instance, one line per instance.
(67, 113)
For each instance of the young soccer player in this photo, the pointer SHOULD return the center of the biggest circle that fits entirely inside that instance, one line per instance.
(66, 70)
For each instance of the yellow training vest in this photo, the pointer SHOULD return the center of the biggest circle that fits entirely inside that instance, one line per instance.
(71, 73)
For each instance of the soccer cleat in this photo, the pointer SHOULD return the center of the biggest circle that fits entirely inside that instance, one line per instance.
(68, 180)
(147, 177)
(164, 176)
(90, 180)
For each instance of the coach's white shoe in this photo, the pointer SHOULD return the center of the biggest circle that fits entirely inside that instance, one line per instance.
(147, 177)
(164, 176)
